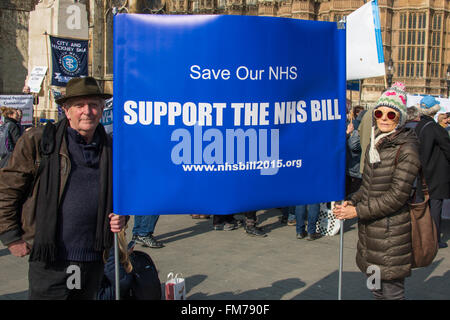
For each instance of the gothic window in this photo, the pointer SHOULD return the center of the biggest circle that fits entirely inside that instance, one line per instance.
(195, 6)
(411, 44)
(435, 45)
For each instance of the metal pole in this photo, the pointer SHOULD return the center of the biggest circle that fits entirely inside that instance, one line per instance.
(360, 91)
(116, 261)
(47, 91)
(341, 254)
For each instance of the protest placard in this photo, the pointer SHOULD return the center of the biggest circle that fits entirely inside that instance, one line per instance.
(223, 114)
(23, 102)
(36, 77)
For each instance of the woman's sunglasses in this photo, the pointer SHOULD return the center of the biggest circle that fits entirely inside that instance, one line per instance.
(391, 115)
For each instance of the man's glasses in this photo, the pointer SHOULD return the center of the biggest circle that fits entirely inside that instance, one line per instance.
(391, 115)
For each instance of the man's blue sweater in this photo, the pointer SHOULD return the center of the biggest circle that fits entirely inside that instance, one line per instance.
(77, 214)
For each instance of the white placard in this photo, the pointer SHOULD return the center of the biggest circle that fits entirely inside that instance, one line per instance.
(36, 77)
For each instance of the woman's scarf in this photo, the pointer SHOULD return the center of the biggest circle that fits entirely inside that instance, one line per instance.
(374, 156)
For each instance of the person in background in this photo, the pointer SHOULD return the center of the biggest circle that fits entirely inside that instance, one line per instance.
(384, 223)
(250, 223)
(353, 149)
(13, 131)
(364, 131)
(442, 119)
(434, 152)
(143, 229)
(288, 216)
(412, 117)
(107, 290)
(357, 111)
(19, 119)
(447, 121)
(200, 216)
(225, 222)
(313, 216)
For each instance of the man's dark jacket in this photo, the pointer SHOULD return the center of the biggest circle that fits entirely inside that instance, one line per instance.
(17, 202)
(434, 153)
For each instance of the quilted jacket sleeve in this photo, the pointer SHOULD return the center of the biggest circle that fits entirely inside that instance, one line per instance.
(398, 192)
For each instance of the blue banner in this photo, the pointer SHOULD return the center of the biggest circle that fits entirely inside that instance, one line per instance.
(69, 60)
(353, 85)
(224, 114)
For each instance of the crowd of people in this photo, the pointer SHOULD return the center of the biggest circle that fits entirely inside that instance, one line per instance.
(56, 191)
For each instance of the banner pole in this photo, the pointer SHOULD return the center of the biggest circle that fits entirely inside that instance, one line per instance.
(47, 96)
(341, 254)
(360, 91)
(116, 262)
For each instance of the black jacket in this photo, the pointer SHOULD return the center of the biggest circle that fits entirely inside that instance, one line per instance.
(107, 289)
(14, 131)
(434, 153)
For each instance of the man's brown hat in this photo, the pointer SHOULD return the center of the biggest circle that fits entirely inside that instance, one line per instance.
(81, 87)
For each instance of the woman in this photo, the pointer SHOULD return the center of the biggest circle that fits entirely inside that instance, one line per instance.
(19, 119)
(443, 119)
(11, 121)
(107, 289)
(12, 116)
(390, 168)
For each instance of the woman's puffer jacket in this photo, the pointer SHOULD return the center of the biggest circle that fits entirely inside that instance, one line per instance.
(384, 223)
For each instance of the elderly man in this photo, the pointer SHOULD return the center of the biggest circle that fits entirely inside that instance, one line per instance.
(56, 198)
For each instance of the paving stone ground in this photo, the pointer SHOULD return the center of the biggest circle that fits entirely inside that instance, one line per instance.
(230, 265)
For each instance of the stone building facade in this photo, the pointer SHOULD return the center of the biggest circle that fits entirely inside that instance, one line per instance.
(415, 33)
(14, 17)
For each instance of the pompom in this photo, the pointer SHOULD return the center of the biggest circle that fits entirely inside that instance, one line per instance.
(399, 85)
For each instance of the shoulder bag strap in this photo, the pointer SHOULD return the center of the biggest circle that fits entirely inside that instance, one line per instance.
(420, 132)
(422, 177)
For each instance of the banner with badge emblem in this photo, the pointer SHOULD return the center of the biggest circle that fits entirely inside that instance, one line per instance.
(69, 59)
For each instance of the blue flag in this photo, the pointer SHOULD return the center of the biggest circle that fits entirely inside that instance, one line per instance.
(69, 60)
(224, 114)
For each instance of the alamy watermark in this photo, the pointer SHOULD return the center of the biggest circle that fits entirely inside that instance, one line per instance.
(74, 280)
(374, 280)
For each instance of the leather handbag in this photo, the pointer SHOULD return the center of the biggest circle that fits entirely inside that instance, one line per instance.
(424, 239)
(423, 231)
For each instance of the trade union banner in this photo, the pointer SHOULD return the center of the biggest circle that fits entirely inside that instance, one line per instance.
(224, 114)
(69, 60)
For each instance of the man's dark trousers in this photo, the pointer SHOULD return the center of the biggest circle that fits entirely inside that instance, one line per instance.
(435, 211)
(50, 281)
